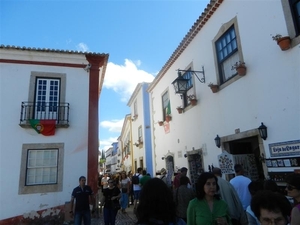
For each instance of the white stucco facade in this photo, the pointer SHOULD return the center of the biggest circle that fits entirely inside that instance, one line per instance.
(268, 93)
(18, 68)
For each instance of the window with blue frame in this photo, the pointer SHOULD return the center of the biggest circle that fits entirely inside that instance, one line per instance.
(295, 10)
(187, 75)
(227, 54)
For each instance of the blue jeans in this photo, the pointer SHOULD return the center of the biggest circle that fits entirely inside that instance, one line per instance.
(85, 214)
(109, 216)
(124, 200)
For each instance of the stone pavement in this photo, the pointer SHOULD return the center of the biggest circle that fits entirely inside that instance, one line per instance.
(127, 218)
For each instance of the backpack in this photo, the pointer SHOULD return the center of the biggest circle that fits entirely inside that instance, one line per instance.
(135, 179)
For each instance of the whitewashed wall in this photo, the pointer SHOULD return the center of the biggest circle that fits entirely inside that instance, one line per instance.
(14, 85)
(269, 93)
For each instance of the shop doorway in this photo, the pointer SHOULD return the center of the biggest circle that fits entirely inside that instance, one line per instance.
(246, 151)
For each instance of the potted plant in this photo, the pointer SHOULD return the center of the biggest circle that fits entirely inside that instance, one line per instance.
(283, 42)
(193, 99)
(168, 117)
(214, 87)
(179, 109)
(161, 123)
(240, 68)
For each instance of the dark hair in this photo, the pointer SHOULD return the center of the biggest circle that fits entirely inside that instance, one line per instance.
(201, 182)
(183, 169)
(144, 172)
(271, 201)
(82, 177)
(271, 186)
(156, 203)
(255, 186)
(184, 180)
(139, 169)
(294, 180)
(217, 171)
(238, 168)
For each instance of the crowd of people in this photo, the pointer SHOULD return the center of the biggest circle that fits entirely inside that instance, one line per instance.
(214, 201)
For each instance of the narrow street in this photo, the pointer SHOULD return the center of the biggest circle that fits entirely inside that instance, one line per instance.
(127, 218)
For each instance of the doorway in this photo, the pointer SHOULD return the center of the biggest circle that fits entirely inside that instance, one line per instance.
(246, 152)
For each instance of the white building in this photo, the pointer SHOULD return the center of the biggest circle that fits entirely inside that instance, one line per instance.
(225, 33)
(141, 129)
(39, 172)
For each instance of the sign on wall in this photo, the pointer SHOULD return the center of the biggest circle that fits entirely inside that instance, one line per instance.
(226, 163)
(287, 148)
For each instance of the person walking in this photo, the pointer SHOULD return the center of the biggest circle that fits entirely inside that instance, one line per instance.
(136, 186)
(182, 196)
(176, 181)
(271, 208)
(104, 181)
(293, 190)
(207, 207)
(84, 197)
(230, 196)
(156, 205)
(125, 188)
(144, 179)
(240, 184)
(112, 195)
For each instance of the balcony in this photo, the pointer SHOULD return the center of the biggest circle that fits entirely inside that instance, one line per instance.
(45, 111)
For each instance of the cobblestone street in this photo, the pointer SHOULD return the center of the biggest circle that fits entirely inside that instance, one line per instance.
(127, 218)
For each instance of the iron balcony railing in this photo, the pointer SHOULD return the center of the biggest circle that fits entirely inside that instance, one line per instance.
(45, 111)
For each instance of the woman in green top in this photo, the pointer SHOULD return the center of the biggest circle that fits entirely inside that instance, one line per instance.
(207, 208)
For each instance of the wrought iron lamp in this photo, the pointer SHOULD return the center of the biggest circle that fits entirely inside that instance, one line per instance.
(218, 141)
(263, 131)
(181, 84)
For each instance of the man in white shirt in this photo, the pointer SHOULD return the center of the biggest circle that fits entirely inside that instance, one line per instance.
(240, 184)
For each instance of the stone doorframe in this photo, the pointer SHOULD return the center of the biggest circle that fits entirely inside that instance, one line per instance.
(246, 134)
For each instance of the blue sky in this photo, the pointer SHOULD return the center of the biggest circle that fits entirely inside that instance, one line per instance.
(139, 37)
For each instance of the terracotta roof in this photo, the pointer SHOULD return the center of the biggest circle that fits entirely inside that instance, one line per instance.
(49, 50)
(194, 30)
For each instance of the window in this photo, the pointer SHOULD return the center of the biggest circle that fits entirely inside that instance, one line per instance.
(291, 10)
(227, 51)
(135, 109)
(295, 10)
(47, 98)
(140, 132)
(41, 168)
(187, 75)
(227, 54)
(166, 105)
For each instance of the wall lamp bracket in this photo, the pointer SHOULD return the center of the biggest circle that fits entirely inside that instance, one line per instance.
(202, 79)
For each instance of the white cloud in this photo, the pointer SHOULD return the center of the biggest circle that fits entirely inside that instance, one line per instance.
(106, 143)
(82, 47)
(124, 78)
(113, 126)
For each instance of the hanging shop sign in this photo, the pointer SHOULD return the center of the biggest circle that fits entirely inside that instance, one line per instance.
(226, 163)
(288, 148)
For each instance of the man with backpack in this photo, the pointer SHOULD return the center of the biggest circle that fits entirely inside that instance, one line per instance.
(136, 186)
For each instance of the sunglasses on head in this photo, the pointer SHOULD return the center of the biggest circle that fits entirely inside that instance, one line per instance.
(290, 187)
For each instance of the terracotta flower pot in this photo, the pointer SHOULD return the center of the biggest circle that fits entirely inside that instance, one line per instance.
(180, 110)
(214, 88)
(193, 101)
(241, 70)
(168, 118)
(284, 43)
